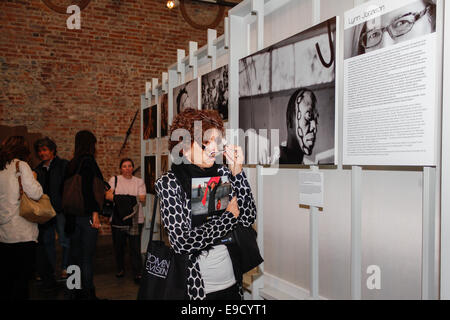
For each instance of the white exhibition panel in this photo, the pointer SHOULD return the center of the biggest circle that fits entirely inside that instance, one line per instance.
(331, 8)
(286, 21)
(335, 221)
(286, 230)
(390, 88)
(445, 200)
(392, 233)
(335, 236)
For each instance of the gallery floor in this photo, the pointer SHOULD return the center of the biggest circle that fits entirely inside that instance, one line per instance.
(106, 283)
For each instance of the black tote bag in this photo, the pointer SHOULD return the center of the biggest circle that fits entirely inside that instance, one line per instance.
(249, 255)
(164, 273)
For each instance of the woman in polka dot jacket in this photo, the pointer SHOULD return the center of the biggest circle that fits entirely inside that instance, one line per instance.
(212, 268)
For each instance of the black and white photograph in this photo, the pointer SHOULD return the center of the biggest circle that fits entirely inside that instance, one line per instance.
(215, 91)
(164, 164)
(289, 89)
(150, 123)
(406, 23)
(209, 196)
(185, 96)
(164, 105)
(150, 174)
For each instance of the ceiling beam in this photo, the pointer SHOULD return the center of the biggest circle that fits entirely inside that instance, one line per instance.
(218, 2)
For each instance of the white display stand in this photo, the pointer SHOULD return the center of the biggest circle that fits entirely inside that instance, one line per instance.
(186, 66)
(445, 173)
(245, 26)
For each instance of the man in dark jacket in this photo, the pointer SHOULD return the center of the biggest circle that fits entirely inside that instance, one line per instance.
(50, 174)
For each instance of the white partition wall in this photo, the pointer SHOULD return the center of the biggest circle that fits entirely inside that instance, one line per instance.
(377, 236)
(445, 189)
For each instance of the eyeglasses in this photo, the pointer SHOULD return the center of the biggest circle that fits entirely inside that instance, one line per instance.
(219, 141)
(398, 27)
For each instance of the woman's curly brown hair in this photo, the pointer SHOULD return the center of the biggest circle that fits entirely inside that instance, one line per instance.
(185, 120)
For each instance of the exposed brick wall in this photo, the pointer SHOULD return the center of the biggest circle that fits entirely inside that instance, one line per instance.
(57, 81)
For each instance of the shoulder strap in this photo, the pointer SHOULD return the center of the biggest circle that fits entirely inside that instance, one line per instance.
(152, 225)
(79, 166)
(20, 179)
(115, 184)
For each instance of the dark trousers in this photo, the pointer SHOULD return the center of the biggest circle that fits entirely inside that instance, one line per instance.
(46, 249)
(120, 238)
(83, 243)
(231, 293)
(16, 269)
(46, 252)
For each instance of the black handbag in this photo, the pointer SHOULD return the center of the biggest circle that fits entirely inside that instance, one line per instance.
(248, 250)
(164, 273)
(108, 206)
(124, 209)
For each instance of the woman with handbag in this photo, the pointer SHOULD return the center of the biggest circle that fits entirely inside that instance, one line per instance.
(127, 185)
(213, 265)
(18, 236)
(82, 226)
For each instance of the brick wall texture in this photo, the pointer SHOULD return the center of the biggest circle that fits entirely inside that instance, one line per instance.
(57, 81)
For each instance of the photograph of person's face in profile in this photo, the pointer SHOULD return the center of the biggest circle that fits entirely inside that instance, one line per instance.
(150, 173)
(164, 164)
(164, 114)
(407, 23)
(185, 96)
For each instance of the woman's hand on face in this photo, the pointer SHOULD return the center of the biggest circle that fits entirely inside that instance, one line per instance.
(235, 158)
(233, 207)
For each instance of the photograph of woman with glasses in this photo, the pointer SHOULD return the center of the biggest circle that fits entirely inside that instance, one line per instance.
(406, 23)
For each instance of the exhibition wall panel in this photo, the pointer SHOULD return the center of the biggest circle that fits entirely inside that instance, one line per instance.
(331, 8)
(334, 236)
(288, 20)
(286, 230)
(445, 200)
(392, 233)
(285, 224)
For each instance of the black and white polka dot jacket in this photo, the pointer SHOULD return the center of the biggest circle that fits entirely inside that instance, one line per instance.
(176, 216)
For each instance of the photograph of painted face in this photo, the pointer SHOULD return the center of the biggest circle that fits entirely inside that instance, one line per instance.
(289, 90)
(409, 22)
(164, 164)
(303, 118)
(150, 124)
(164, 103)
(150, 174)
(185, 96)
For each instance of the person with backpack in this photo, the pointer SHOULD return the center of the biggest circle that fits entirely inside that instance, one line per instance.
(127, 226)
(82, 224)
